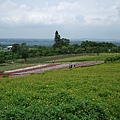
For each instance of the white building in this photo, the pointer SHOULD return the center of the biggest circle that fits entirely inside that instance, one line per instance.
(8, 48)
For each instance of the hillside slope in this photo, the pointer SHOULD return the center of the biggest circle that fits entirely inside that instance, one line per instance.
(82, 93)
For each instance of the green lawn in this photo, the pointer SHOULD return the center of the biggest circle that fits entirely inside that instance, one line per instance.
(90, 93)
(91, 57)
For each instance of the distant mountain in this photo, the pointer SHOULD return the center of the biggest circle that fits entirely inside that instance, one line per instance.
(50, 42)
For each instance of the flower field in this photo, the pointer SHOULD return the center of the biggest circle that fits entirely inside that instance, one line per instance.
(37, 69)
(83, 93)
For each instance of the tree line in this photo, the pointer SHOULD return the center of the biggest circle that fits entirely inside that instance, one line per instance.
(60, 46)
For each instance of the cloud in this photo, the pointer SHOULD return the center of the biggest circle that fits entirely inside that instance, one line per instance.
(118, 7)
(78, 12)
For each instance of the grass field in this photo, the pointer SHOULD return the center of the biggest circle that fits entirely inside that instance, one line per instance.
(90, 93)
(91, 57)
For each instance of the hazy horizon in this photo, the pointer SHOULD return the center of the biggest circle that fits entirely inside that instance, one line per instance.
(94, 39)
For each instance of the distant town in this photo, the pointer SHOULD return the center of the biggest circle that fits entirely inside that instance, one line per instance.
(50, 42)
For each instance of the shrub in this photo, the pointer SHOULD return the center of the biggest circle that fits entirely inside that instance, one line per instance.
(112, 59)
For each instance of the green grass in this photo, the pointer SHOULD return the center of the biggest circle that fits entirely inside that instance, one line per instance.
(91, 57)
(90, 93)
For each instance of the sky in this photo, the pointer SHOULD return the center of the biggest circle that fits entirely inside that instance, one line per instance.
(71, 18)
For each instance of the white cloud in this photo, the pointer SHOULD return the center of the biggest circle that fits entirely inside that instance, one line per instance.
(7, 6)
(75, 18)
(78, 12)
(118, 7)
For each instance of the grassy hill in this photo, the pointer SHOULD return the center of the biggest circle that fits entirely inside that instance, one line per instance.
(90, 93)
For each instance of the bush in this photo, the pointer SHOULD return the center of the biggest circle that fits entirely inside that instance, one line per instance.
(20, 61)
(112, 59)
(2, 61)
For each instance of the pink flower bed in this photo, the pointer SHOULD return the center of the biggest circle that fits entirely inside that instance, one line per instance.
(88, 64)
(29, 69)
(48, 67)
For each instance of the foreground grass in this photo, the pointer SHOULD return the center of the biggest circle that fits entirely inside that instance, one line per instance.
(91, 93)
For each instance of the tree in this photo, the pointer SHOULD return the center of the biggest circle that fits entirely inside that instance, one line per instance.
(24, 51)
(57, 40)
(16, 50)
(65, 42)
(60, 42)
(84, 45)
(20, 51)
(8, 55)
(57, 36)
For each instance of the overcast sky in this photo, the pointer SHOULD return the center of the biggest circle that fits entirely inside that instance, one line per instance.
(72, 18)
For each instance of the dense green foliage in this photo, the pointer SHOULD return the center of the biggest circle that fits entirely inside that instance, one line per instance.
(94, 47)
(61, 46)
(60, 42)
(5, 56)
(65, 48)
(112, 59)
(20, 51)
(17, 52)
(91, 93)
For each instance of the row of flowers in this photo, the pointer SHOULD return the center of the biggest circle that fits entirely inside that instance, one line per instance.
(43, 68)
(29, 68)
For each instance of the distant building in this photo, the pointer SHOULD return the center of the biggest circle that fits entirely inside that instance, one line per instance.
(8, 48)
